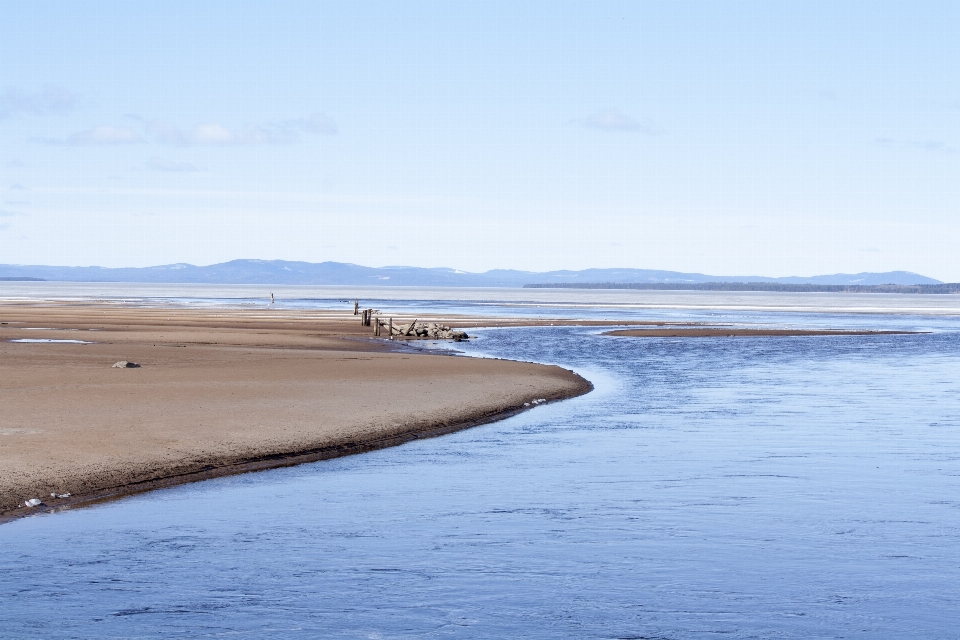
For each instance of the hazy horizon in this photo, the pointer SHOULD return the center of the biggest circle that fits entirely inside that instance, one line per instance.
(769, 139)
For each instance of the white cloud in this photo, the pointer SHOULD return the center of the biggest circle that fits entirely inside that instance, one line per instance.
(615, 120)
(49, 100)
(104, 134)
(214, 133)
(163, 164)
(16, 186)
(6, 213)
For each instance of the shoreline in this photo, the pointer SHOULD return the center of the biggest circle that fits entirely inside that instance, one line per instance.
(529, 300)
(273, 461)
(222, 392)
(225, 391)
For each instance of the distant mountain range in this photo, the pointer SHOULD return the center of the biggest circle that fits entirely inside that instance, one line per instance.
(339, 273)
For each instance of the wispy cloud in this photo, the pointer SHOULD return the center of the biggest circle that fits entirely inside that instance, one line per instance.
(206, 133)
(101, 135)
(48, 100)
(318, 123)
(105, 134)
(615, 120)
(923, 145)
(168, 133)
(6, 213)
(172, 166)
(214, 133)
(16, 186)
(12, 164)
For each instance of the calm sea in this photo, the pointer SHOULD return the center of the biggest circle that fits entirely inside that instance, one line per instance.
(708, 488)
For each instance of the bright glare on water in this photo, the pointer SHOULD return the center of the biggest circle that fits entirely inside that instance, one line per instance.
(719, 487)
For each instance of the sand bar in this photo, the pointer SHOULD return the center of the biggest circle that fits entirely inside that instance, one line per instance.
(221, 391)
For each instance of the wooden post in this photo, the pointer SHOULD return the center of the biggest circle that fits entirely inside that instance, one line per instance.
(356, 307)
(413, 328)
(390, 332)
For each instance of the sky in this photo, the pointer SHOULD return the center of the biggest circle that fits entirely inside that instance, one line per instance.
(731, 138)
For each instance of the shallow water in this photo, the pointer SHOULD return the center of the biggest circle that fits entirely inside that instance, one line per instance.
(483, 301)
(799, 487)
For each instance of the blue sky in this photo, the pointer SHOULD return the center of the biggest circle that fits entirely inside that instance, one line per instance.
(767, 138)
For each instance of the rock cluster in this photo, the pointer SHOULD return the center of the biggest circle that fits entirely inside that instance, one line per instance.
(123, 364)
(429, 330)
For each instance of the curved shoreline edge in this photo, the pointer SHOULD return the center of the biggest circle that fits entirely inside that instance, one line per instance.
(253, 464)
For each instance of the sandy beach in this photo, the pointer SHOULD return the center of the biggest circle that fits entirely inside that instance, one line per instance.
(221, 392)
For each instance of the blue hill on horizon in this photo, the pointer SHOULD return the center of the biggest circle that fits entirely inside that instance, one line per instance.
(339, 273)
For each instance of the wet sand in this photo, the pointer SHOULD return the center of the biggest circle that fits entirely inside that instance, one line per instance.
(221, 392)
(721, 332)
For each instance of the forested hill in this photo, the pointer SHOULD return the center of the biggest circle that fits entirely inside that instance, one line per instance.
(340, 273)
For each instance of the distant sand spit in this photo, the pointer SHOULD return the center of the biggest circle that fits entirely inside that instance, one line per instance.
(222, 392)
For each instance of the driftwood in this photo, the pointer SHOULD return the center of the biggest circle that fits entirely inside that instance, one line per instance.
(431, 331)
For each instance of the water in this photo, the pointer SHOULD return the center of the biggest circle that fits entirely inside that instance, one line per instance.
(738, 488)
(484, 301)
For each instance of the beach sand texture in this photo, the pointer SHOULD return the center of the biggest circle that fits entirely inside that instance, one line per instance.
(220, 392)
